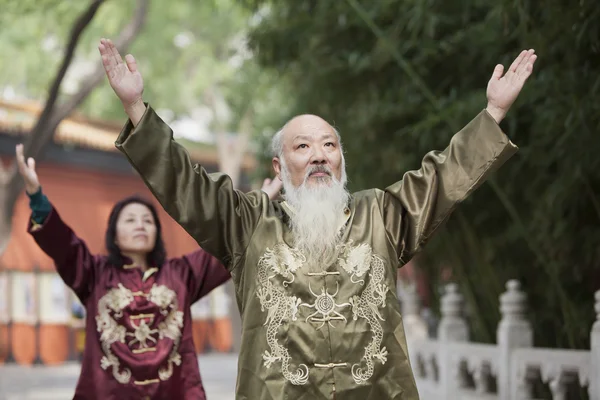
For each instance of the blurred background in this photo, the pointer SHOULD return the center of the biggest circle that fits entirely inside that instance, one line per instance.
(397, 78)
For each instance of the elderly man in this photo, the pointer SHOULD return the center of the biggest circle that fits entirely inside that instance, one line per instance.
(314, 274)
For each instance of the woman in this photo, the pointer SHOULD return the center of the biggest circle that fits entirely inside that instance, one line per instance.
(138, 324)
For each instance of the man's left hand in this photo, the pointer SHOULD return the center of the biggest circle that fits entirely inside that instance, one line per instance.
(502, 90)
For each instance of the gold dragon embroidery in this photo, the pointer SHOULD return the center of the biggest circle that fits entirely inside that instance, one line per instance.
(357, 261)
(280, 307)
(360, 263)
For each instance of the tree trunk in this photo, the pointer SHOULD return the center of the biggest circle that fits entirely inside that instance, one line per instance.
(41, 134)
(231, 150)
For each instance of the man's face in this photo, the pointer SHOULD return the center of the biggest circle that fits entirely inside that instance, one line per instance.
(311, 150)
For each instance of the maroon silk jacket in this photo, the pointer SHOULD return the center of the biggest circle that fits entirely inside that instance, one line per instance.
(138, 341)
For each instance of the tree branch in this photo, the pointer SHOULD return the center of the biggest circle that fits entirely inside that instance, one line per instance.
(243, 134)
(212, 97)
(122, 42)
(82, 22)
(43, 131)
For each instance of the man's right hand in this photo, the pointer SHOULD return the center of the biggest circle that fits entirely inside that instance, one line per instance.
(27, 171)
(125, 79)
(272, 187)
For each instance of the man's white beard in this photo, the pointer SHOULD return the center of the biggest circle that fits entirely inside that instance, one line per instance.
(319, 214)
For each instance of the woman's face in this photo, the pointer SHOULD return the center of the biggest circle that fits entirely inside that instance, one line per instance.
(136, 230)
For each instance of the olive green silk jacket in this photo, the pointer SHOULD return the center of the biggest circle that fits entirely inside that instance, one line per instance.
(328, 331)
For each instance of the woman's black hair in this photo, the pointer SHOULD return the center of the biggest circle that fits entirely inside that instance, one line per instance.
(156, 257)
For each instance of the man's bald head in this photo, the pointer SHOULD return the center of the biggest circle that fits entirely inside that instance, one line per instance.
(301, 123)
(309, 150)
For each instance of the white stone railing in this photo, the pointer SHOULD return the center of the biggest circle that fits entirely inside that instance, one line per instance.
(451, 367)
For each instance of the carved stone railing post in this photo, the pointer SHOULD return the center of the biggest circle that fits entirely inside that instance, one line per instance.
(514, 331)
(452, 328)
(415, 326)
(595, 352)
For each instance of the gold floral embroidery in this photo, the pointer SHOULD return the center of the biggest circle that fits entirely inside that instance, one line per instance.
(162, 296)
(110, 331)
(142, 334)
(165, 372)
(115, 301)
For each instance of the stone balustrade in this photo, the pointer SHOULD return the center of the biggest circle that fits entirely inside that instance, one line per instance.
(451, 367)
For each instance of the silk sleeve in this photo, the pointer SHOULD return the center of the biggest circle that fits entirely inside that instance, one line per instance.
(205, 274)
(72, 258)
(415, 207)
(220, 218)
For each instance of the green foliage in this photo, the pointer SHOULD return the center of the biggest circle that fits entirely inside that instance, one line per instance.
(399, 77)
(24, 64)
(176, 77)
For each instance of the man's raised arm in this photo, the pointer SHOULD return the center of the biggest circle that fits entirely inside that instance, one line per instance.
(416, 206)
(218, 217)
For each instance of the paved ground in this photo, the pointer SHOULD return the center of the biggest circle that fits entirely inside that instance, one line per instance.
(58, 383)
